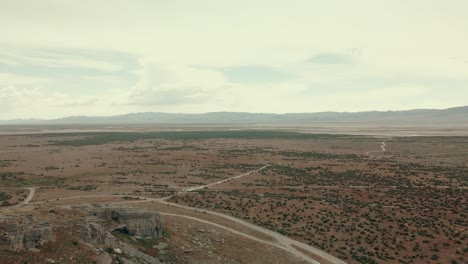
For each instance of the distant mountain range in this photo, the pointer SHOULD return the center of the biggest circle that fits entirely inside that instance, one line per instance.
(450, 115)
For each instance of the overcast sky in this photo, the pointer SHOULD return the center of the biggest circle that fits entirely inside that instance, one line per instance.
(87, 57)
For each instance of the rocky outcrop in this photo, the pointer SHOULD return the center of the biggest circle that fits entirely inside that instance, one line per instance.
(19, 232)
(135, 222)
(130, 251)
(92, 226)
(98, 228)
(91, 232)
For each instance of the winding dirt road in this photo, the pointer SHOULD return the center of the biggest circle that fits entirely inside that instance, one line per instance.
(382, 149)
(235, 232)
(32, 191)
(281, 242)
(286, 243)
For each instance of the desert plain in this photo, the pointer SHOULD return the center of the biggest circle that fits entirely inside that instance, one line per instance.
(263, 194)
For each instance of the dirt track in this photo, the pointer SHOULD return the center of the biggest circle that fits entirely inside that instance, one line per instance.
(382, 149)
(32, 191)
(283, 242)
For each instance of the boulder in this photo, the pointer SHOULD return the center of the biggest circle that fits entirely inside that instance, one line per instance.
(161, 246)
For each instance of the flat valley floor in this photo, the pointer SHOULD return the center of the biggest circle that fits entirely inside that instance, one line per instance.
(247, 196)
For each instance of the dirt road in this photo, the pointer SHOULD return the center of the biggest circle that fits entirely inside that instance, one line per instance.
(32, 191)
(285, 242)
(282, 242)
(382, 149)
(223, 181)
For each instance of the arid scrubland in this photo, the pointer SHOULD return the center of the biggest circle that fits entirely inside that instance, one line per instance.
(341, 194)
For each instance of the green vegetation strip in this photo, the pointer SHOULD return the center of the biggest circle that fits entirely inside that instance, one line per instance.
(109, 137)
(22, 179)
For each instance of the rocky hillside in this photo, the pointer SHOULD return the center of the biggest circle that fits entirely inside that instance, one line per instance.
(110, 235)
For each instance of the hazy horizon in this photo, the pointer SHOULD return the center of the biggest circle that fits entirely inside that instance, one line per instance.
(266, 113)
(88, 58)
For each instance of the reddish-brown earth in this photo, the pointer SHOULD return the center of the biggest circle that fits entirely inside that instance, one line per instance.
(341, 194)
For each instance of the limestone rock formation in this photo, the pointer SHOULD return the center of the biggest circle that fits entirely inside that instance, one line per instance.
(19, 232)
(94, 227)
(92, 232)
(135, 222)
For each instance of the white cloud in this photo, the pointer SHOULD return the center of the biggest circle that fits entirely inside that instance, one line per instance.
(7, 79)
(172, 84)
(18, 92)
(392, 49)
(54, 59)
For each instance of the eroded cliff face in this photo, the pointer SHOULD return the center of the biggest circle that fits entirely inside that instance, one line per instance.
(135, 222)
(20, 232)
(91, 232)
(92, 226)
